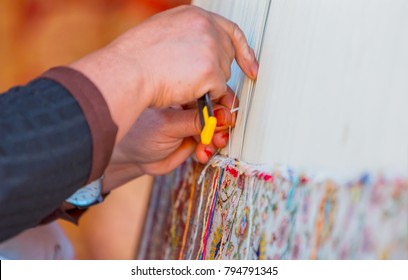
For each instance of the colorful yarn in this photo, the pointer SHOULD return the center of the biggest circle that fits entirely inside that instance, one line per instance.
(245, 211)
(209, 221)
(190, 205)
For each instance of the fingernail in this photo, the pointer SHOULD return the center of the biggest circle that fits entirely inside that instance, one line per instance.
(208, 152)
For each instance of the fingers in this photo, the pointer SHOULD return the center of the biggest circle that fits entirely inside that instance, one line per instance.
(231, 42)
(172, 161)
(229, 101)
(225, 47)
(181, 123)
(186, 123)
(205, 152)
(220, 139)
(216, 84)
(222, 111)
(224, 120)
(244, 55)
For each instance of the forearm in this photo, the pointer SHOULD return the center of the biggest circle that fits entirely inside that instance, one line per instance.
(45, 153)
(118, 175)
(50, 146)
(123, 89)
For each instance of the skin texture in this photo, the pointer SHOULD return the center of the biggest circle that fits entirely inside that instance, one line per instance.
(151, 77)
(162, 139)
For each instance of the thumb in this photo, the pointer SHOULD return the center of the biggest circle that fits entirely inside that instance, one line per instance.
(182, 123)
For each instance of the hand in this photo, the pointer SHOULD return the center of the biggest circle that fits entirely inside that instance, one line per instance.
(186, 52)
(162, 139)
(171, 59)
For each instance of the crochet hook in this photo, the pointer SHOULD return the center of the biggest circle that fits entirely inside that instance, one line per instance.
(207, 119)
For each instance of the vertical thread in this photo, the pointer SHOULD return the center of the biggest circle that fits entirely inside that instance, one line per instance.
(190, 206)
(206, 214)
(211, 214)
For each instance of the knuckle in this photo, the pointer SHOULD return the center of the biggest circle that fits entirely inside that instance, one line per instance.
(201, 21)
(238, 33)
(208, 68)
(220, 88)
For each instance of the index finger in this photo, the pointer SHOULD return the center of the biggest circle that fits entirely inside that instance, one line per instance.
(244, 55)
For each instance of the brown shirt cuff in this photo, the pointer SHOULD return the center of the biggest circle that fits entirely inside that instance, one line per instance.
(96, 111)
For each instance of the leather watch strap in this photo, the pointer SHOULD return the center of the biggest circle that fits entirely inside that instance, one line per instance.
(71, 215)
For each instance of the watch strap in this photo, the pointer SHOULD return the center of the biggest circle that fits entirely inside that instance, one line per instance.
(70, 215)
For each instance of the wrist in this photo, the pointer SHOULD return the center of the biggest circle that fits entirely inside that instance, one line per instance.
(120, 83)
(117, 175)
(76, 205)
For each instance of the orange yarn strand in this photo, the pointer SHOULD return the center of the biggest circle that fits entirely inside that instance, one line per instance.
(190, 206)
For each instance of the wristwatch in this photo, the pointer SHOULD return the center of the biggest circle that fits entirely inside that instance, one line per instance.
(87, 196)
(77, 204)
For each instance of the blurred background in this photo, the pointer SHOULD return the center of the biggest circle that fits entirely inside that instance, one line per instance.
(38, 34)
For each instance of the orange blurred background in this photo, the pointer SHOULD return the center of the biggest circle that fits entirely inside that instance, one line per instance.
(38, 34)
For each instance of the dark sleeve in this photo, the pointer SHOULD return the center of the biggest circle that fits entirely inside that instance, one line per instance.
(56, 134)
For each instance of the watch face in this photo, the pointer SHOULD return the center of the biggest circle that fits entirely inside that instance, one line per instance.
(86, 196)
